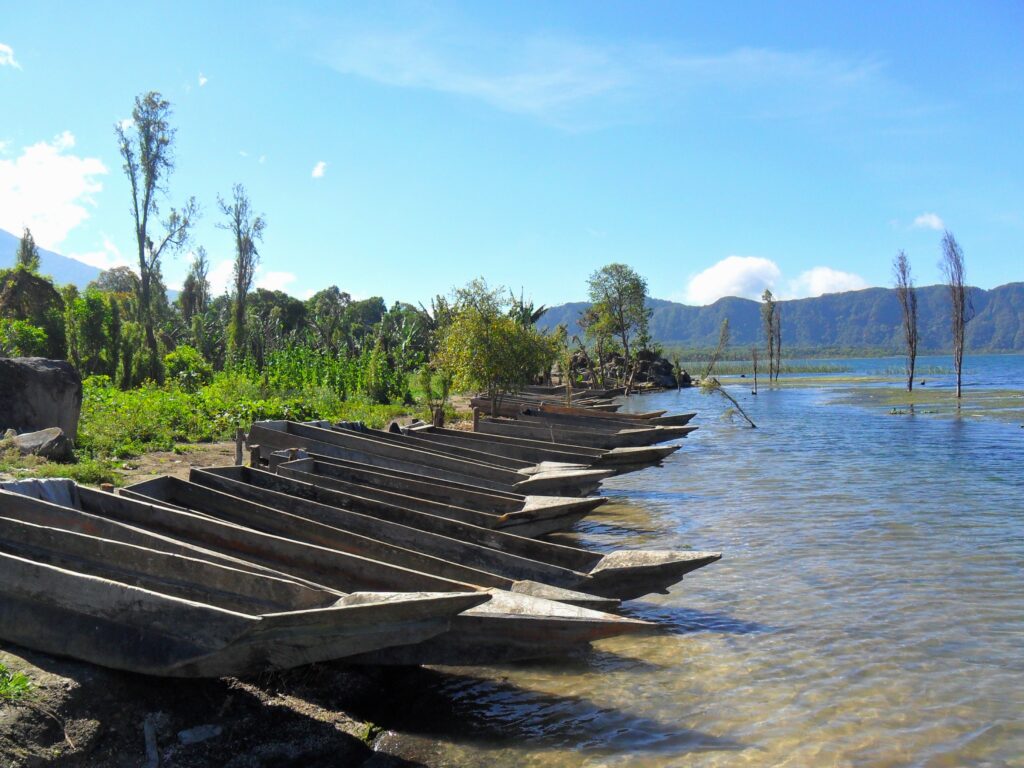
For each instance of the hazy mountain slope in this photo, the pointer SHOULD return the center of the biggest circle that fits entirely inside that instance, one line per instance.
(60, 268)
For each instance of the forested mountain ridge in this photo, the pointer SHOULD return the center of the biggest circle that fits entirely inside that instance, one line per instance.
(868, 319)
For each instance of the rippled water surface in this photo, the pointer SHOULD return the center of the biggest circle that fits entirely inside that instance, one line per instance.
(869, 608)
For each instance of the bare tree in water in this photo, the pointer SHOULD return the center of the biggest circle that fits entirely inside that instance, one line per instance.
(709, 383)
(952, 265)
(906, 293)
(768, 319)
(777, 331)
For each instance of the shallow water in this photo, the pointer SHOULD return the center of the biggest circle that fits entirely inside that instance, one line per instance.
(869, 608)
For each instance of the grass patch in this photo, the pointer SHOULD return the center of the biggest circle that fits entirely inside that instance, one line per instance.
(86, 469)
(118, 424)
(14, 686)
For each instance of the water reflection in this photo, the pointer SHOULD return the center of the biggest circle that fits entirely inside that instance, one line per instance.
(869, 608)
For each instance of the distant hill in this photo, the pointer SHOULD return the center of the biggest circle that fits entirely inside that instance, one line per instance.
(866, 319)
(62, 269)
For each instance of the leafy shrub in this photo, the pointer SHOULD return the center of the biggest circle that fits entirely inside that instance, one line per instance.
(20, 338)
(187, 368)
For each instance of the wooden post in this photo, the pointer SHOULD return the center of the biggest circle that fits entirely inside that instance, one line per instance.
(239, 445)
(476, 419)
(753, 353)
(254, 456)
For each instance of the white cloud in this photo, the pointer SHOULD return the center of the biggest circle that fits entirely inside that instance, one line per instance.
(108, 258)
(744, 276)
(7, 57)
(242, 153)
(319, 169)
(221, 277)
(821, 280)
(48, 190)
(125, 124)
(929, 221)
(263, 159)
(274, 281)
(748, 276)
(203, 79)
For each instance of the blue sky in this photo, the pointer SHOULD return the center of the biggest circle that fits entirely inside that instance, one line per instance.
(402, 149)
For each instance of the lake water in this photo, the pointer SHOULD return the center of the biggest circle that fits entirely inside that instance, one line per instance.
(869, 608)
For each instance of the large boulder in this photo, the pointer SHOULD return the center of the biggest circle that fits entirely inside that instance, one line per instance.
(36, 393)
(50, 443)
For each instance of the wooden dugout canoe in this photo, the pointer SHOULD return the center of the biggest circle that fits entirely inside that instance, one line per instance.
(512, 406)
(531, 626)
(616, 459)
(148, 611)
(347, 444)
(622, 574)
(473, 504)
(543, 415)
(580, 436)
(237, 495)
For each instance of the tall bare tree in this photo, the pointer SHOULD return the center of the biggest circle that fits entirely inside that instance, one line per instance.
(952, 266)
(768, 322)
(145, 143)
(247, 230)
(906, 294)
(777, 331)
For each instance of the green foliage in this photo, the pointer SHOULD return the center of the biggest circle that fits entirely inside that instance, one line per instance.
(14, 686)
(20, 338)
(483, 348)
(187, 368)
(27, 256)
(619, 303)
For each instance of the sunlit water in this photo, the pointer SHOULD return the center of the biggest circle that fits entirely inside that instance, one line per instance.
(869, 609)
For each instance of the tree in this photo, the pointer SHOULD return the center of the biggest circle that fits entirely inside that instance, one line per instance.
(906, 294)
(119, 280)
(27, 256)
(194, 298)
(952, 266)
(777, 330)
(145, 143)
(247, 230)
(485, 348)
(768, 310)
(619, 298)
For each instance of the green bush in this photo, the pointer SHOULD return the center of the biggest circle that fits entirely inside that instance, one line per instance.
(187, 368)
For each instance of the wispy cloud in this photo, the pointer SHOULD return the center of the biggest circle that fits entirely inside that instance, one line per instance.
(48, 189)
(203, 80)
(319, 169)
(929, 221)
(7, 57)
(571, 82)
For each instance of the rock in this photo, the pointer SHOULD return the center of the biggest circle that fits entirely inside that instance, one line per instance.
(49, 443)
(36, 393)
(10, 434)
(198, 734)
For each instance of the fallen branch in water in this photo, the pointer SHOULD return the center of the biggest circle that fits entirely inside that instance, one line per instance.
(712, 384)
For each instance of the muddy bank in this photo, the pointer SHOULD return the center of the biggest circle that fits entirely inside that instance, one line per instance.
(84, 716)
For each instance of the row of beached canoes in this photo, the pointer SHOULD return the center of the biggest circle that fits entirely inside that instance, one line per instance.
(357, 544)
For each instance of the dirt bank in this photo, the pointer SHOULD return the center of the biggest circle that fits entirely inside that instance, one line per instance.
(83, 716)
